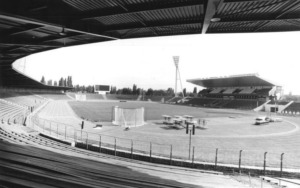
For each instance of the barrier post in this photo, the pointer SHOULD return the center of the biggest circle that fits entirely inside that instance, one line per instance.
(57, 129)
(240, 160)
(265, 156)
(281, 161)
(190, 141)
(115, 146)
(131, 149)
(150, 151)
(100, 144)
(216, 158)
(171, 154)
(43, 128)
(193, 155)
(50, 128)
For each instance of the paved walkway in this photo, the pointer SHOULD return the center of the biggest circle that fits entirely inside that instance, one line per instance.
(61, 112)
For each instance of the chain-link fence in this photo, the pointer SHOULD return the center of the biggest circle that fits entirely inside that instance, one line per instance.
(240, 159)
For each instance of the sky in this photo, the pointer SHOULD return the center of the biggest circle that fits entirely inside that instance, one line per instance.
(148, 62)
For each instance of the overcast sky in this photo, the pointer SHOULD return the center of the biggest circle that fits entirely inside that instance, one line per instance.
(148, 62)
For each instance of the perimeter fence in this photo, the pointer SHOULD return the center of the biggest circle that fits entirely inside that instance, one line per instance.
(263, 161)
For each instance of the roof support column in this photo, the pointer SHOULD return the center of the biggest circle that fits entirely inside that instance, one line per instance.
(211, 6)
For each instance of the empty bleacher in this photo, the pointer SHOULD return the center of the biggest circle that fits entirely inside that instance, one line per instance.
(24, 166)
(215, 91)
(247, 91)
(203, 92)
(56, 96)
(91, 96)
(236, 91)
(232, 97)
(278, 102)
(25, 135)
(263, 92)
(22, 98)
(229, 91)
(121, 97)
(11, 113)
(293, 108)
(228, 103)
(201, 101)
(243, 104)
(9, 136)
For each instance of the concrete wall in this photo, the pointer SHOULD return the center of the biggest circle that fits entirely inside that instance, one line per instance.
(261, 107)
(280, 107)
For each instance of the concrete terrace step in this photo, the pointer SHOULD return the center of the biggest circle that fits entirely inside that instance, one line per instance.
(282, 182)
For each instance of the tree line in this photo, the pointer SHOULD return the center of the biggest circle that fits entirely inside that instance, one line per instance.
(140, 91)
(67, 82)
(150, 92)
(63, 82)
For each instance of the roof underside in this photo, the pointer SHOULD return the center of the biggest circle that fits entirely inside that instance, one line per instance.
(31, 26)
(235, 81)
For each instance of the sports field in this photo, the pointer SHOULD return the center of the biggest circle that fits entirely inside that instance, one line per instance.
(228, 130)
(102, 111)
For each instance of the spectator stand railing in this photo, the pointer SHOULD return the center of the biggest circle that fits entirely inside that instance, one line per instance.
(258, 162)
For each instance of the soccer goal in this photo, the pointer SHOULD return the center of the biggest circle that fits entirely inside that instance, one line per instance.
(128, 117)
(80, 97)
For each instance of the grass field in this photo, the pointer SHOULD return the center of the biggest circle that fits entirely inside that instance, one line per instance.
(102, 111)
(228, 130)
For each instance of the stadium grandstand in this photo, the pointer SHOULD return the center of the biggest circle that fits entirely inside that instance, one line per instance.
(249, 92)
(238, 91)
(31, 156)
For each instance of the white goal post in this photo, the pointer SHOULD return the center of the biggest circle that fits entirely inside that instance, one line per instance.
(80, 97)
(128, 117)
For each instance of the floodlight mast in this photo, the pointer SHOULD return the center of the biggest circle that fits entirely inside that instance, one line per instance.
(177, 75)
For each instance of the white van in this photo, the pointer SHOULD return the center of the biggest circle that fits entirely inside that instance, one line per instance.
(261, 120)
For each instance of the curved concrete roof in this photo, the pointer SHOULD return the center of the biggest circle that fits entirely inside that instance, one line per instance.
(28, 27)
(247, 80)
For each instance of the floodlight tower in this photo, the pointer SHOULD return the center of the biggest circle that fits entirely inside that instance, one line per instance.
(176, 62)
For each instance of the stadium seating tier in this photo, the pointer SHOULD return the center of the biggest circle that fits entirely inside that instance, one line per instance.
(294, 107)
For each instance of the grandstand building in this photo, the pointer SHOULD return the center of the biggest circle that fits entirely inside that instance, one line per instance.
(237, 91)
